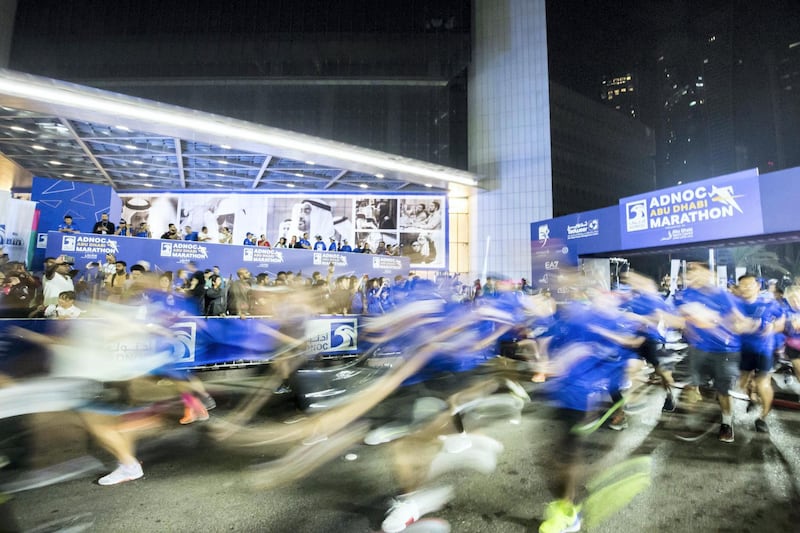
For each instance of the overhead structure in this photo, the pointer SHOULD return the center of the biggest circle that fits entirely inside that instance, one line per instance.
(54, 129)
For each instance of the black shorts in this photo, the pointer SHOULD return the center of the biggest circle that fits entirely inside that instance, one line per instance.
(761, 363)
(791, 353)
(722, 367)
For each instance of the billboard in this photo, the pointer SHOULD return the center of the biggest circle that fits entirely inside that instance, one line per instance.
(718, 208)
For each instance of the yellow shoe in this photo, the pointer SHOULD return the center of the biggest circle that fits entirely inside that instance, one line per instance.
(561, 516)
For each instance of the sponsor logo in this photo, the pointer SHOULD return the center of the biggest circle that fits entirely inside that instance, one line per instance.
(544, 234)
(12, 240)
(331, 336)
(184, 341)
(589, 228)
(68, 243)
(636, 215)
(41, 240)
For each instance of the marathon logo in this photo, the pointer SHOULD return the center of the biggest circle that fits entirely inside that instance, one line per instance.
(184, 250)
(386, 263)
(544, 234)
(89, 244)
(326, 258)
(262, 255)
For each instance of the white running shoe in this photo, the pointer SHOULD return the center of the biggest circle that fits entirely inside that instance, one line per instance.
(122, 474)
(409, 508)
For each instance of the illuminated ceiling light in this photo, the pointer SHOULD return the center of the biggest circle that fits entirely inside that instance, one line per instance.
(428, 185)
(137, 162)
(309, 162)
(68, 175)
(148, 184)
(38, 147)
(379, 176)
(290, 185)
(217, 184)
(123, 128)
(222, 162)
(143, 174)
(299, 175)
(54, 162)
(77, 99)
(131, 147)
(363, 185)
(20, 129)
(225, 146)
(219, 174)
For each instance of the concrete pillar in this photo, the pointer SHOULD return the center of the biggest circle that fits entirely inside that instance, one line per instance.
(509, 132)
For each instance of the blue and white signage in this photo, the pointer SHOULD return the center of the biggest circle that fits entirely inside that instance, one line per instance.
(718, 208)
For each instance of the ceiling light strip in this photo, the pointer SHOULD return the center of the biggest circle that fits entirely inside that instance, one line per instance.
(261, 171)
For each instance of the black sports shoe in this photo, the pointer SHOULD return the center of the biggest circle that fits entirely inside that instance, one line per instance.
(726, 433)
(751, 406)
(669, 404)
(761, 426)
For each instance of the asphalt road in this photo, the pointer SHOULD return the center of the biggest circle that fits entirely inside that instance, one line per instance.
(192, 483)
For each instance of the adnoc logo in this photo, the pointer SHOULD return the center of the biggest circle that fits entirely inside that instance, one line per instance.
(636, 215)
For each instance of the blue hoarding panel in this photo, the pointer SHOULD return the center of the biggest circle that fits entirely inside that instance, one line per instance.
(718, 208)
(780, 199)
(171, 255)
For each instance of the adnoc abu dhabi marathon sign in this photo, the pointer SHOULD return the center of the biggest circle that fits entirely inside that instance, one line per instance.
(713, 209)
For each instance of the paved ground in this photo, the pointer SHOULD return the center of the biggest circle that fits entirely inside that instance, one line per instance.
(194, 484)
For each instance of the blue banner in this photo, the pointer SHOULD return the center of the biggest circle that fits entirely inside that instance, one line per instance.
(169, 255)
(718, 208)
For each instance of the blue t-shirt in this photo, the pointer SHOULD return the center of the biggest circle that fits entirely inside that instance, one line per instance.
(647, 305)
(720, 338)
(319, 245)
(304, 243)
(346, 248)
(767, 311)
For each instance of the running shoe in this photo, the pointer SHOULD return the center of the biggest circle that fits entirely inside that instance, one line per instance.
(408, 509)
(561, 516)
(122, 474)
(669, 404)
(692, 395)
(761, 426)
(618, 422)
(190, 415)
(726, 433)
(208, 401)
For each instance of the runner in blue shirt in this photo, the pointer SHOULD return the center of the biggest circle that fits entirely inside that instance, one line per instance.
(759, 345)
(713, 323)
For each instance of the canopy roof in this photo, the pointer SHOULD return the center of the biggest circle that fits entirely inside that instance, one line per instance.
(54, 129)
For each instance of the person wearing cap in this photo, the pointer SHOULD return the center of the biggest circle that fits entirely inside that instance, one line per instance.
(345, 247)
(249, 239)
(332, 247)
(103, 226)
(68, 226)
(318, 244)
(123, 229)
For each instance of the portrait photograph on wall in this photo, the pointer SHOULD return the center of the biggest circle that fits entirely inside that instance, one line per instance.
(418, 214)
(234, 214)
(324, 216)
(424, 249)
(150, 213)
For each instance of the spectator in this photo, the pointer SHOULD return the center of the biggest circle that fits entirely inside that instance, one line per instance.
(332, 247)
(304, 242)
(203, 236)
(68, 226)
(249, 239)
(281, 243)
(103, 226)
(262, 241)
(239, 293)
(115, 283)
(225, 235)
(123, 230)
(64, 308)
(143, 230)
(215, 297)
(189, 235)
(57, 279)
(345, 246)
(318, 243)
(172, 233)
